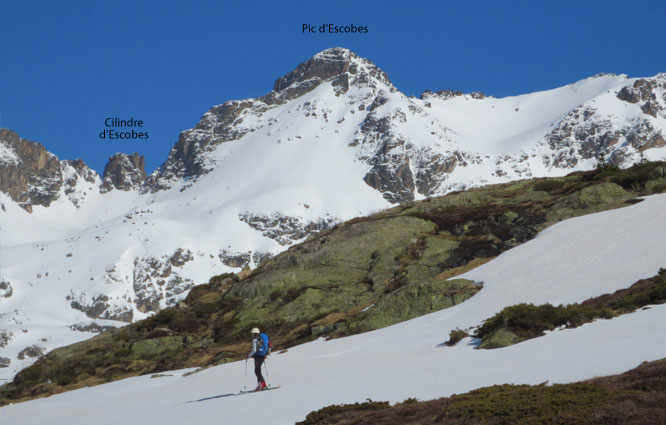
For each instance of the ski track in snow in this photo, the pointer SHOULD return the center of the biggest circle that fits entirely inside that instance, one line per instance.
(568, 262)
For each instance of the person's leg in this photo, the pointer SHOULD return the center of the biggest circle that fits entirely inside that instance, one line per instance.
(258, 361)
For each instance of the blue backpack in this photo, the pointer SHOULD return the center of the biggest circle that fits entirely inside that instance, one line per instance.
(264, 345)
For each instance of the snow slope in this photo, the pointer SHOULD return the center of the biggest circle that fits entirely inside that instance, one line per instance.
(258, 175)
(568, 262)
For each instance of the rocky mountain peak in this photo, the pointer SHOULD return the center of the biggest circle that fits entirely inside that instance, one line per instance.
(341, 67)
(336, 64)
(124, 172)
(323, 65)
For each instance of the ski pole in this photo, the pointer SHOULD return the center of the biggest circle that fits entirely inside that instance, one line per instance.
(245, 365)
(266, 367)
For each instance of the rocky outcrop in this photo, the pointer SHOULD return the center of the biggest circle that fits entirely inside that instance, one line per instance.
(644, 136)
(391, 172)
(324, 65)
(124, 172)
(93, 309)
(398, 168)
(5, 337)
(158, 283)
(91, 327)
(583, 134)
(433, 169)
(640, 90)
(285, 229)
(187, 159)
(235, 259)
(578, 136)
(645, 91)
(449, 94)
(100, 307)
(31, 175)
(31, 351)
(6, 290)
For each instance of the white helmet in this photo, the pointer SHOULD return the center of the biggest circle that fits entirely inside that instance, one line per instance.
(255, 331)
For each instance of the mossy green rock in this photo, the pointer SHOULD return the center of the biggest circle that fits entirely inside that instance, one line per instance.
(590, 199)
(656, 186)
(500, 338)
(415, 300)
(331, 273)
(155, 346)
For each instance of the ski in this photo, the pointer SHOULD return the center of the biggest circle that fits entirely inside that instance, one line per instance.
(259, 391)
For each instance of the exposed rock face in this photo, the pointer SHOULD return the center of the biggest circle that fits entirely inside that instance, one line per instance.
(82, 171)
(124, 172)
(579, 136)
(391, 172)
(645, 91)
(5, 337)
(336, 65)
(100, 307)
(284, 229)
(91, 327)
(259, 257)
(399, 169)
(157, 281)
(644, 136)
(6, 290)
(31, 351)
(31, 175)
(325, 65)
(641, 90)
(433, 169)
(582, 134)
(187, 158)
(448, 94)
(235, 259)
(5, 361)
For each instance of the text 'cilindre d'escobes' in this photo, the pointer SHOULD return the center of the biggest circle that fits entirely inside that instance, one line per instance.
(122, 133)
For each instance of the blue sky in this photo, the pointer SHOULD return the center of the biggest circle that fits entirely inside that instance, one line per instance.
(65, 66)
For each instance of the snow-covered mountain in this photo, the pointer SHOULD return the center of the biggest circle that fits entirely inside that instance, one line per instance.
(408, 359)
(333, 140)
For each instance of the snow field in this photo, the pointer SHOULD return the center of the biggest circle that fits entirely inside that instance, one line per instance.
(569, 262)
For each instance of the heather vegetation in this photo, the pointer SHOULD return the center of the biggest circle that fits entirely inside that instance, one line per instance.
(364, 274)
(525, 321)
(455, 336)
(635, 397)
